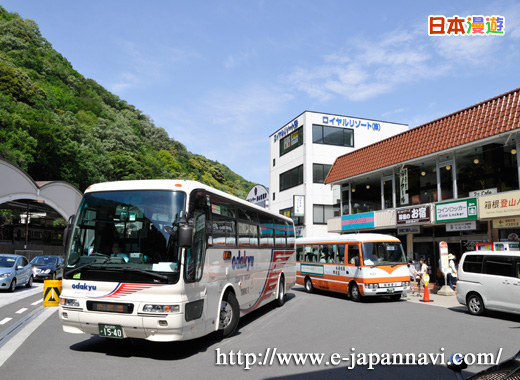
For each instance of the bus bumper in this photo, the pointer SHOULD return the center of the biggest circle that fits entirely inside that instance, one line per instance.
(160, 328)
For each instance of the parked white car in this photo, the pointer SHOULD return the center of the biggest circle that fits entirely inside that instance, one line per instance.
(489, 280)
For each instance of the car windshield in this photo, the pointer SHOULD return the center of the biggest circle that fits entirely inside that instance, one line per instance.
(383, 253)
(7, 262)
(126, 231)
(44, 260)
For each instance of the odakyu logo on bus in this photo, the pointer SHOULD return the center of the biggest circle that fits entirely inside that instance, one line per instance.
(241, 262)
(84, 286)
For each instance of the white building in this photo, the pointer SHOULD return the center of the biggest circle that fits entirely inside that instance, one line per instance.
(301, 154)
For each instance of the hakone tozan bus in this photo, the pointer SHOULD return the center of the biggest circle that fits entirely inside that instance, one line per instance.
(168, 260)
(360, 264)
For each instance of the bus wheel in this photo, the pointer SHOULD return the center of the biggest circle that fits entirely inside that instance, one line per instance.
(308, 285)
(280, 299)
(354, 293)
(228, 317)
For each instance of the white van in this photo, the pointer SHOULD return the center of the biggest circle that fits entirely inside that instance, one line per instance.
(489, 280)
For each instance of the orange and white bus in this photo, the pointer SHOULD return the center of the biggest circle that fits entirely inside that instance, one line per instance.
(355, 264)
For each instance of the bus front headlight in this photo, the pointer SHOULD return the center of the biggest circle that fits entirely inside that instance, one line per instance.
(161, 309)
(69, 302)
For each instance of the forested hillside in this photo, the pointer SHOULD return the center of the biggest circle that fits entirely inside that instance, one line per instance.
(58, 125)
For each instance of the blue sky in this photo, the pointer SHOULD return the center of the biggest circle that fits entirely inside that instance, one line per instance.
(221, 76)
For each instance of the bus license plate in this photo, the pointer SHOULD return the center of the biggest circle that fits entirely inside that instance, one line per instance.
(110, 331)
(390, 291)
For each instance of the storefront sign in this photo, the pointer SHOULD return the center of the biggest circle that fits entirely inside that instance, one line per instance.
(409, 230)
(258, 195)
(499, 205)
(413, 215)
(356, 221)
(506, 223)
(403, 186)
(455, 211)
(285, 130)
(480, 193)
(461, 226)
(299, 205)
(340, 121)
(443, 249)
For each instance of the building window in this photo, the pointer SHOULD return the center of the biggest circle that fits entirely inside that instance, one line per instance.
(488, 167)
(291, 141)
(291, 178)
(322, 134)
(322, 213)
(366, 195)
(319, 172)
(274, 161)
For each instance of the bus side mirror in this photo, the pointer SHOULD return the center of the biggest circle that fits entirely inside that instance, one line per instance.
(68, 230)
(185, 239)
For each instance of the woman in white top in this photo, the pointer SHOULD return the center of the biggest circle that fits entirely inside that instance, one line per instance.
(423, 269)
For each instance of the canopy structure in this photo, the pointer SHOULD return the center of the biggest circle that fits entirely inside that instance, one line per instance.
(19, 191)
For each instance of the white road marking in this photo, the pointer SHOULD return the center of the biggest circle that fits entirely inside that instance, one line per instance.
(37, 302)
(5, 320)
(12, 345)
(22, 310)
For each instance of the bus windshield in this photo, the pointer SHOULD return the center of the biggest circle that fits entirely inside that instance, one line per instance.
(125, 236)
(383, 253)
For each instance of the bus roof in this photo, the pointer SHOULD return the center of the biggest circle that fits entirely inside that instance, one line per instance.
(170, 184)
(346, 238)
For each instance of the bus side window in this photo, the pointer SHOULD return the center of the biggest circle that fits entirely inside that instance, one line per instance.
(340, 254)
(299, 254)
(196, 254)
(353, 251)
(308, 254)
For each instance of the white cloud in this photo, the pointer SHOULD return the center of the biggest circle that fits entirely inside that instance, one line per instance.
(145, 65)
(364, 68)
(234, 60)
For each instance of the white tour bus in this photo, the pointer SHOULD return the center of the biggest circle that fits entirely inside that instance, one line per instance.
(169, 260)
(359, 265)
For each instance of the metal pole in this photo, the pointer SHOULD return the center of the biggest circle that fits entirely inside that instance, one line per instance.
(26, 227)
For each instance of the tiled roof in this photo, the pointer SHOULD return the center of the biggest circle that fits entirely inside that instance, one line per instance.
(491, 117)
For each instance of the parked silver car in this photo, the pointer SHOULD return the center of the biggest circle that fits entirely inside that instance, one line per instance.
(15, 270)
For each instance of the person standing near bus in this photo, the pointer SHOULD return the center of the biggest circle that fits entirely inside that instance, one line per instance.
(452, 271)
(423, 269)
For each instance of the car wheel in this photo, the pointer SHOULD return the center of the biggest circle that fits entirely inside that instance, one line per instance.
(280, 299)
(13, 285)
(228, 316)
(308, 285)
(54, 275)
(354, 293)
(475, 305)
(29, 282)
